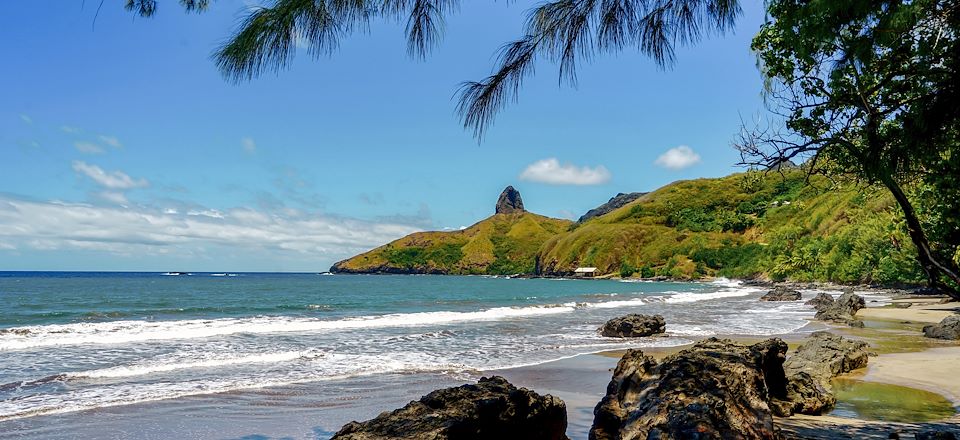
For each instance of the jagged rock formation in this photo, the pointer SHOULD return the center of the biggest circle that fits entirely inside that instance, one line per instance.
(715, 389)
(822, 300)
(491, 409)
(781, 293)
(843, 310)
(634, 326)
(810, 369)
(509, 202)
(615, 202)
(948, 328)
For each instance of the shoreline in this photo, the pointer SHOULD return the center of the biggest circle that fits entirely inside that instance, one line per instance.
(892, 331)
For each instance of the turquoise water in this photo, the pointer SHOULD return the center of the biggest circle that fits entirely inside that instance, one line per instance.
(74, 342)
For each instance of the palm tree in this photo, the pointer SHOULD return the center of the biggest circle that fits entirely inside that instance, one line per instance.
(562, 31)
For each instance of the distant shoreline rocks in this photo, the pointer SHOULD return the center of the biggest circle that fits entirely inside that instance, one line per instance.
(781, 293)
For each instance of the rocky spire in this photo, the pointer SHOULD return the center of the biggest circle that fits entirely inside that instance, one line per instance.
(509, 201)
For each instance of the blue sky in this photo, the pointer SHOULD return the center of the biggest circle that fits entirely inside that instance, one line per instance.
(125, 149)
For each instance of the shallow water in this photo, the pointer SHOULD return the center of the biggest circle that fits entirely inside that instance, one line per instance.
(890, 403)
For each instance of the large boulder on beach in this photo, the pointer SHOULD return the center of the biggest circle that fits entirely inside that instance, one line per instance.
(717, 389)
(821, 301)
(490, 409)
(781, 293)
(948, 328)
(810, 369)
(843, 310)
(634, 326)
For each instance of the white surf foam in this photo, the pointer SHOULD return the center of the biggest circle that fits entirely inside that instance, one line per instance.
(116, 332)
(176, 364)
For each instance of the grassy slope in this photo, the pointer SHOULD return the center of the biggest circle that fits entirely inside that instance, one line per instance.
(734, 226)
(501, 244)
(739, 226)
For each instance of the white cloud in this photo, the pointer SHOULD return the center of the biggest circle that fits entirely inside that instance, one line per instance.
(26, 118)
(678, 158)
(88, 147)
(550, 171)
(114, 197)
(69, 129)
(249, 146)
(111, 141)
(115, 180)
(139, 230)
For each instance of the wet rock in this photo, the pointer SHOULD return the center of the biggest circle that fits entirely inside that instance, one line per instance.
(948, 328)
(716, 389)
(811, 367)
(935, 435)
(509, 202)
(634, 326)
(843, 310)
(491, 409)
(781, 293)
(821, 301)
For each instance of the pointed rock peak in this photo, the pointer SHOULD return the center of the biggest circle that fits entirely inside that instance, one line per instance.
(509, 201)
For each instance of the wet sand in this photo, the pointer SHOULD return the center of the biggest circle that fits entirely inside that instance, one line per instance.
(904, 358)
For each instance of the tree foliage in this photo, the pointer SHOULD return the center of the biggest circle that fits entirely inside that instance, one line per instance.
(563, 31)
(869, 88)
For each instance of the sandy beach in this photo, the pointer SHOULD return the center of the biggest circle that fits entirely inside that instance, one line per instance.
(905, 358)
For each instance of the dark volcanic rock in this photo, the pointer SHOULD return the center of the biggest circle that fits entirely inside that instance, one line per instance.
(810, 369)
(716, 389)
(781, 293)
(509, 201)
(615, 202)
(843, 310)
(634, 326)
(821, 301)
(935, 435)
(949, 328)
(491, 409)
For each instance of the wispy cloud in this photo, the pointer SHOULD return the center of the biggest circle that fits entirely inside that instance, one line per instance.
(88, 147)
(248, 145)
(115, 180)
(69, 129)
(678, 158)
(111, 141)
(139, 230)
(26, 118)
(551, 171)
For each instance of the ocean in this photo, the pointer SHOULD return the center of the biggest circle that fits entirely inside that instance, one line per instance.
(258, 355)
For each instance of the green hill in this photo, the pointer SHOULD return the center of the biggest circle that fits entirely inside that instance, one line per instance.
(746, 225)
(505, 243)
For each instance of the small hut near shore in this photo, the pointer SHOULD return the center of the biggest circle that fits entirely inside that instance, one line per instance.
(585, 272)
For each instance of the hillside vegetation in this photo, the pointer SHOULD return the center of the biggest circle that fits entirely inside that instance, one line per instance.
(747, 225)
(501, 244)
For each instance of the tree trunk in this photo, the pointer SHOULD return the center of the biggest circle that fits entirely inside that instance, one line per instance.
(933, 268)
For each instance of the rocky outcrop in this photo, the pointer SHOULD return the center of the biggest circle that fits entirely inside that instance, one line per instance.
(715, 389)
(948, 328)
(810, 369)
(781, 293)
(491, 409)
(821, 301)
(843, 310)
(935, 435)
(634, 326)
(509, 202)
(616, 202)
